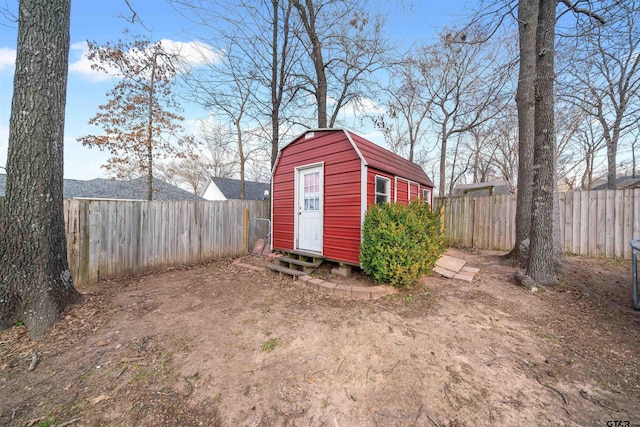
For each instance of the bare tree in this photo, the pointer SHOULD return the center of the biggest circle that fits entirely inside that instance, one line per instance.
(464, 79)
(230, 92)
(345, 47)
(503, 135)
(542, 263)
(216, 150)
(261, 35)
(525, 100)
(605, 71)
(35, 284)
(404, 122)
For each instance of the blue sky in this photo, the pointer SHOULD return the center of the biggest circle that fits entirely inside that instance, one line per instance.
(102, 21)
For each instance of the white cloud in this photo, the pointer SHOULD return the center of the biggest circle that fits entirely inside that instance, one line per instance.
(82, 65)
(191, 54)
(361, 108)
(7, 58)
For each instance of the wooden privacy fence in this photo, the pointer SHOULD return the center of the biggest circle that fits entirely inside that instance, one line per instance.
(109, 239)
(592, 223)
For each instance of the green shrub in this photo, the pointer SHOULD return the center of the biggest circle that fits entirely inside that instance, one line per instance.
(400, 243)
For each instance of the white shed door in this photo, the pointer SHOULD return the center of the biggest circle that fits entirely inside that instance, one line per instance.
(310, 209)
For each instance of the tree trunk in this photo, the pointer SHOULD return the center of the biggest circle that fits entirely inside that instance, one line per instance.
(633, 157)
(275, 86)
(525, 100)
(612, 148)
(588, 171)
(242, 159)
(308, 17)
(150, 129)
(443, 161)
(36, 284)
(542, 263)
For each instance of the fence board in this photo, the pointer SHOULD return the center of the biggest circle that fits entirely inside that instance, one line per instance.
(109, 239)
(627, 203)
(595, 223)
(601, 224)
(574, 245)
(636, 213)
(584, 224)
(609, 226)
(618, 224)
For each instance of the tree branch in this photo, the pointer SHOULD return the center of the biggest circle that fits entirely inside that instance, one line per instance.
(577, 9)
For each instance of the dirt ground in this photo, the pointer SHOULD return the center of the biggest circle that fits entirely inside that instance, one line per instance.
(218, 345)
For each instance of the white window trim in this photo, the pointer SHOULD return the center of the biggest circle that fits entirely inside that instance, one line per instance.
(427, 200)
(375, 188)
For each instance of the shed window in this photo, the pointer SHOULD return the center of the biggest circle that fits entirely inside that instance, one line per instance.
(382, 190)
(312, 191)
(426, 196)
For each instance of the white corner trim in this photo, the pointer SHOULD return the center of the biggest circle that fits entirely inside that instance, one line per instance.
(355, 147)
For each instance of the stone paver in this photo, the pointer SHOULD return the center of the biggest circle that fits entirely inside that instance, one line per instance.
(326, 287)
(444, 272)
(451, 263)
(342, 291)
(379, 292)
(341, 271)
(305, 278)
(330, 288)
(464, 275)
(359, 292)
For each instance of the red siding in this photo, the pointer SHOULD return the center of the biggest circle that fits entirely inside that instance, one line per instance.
(414, 192)
(402, 191)
(342, 213)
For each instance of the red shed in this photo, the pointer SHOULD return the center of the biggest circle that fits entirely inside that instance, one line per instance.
(321, 186)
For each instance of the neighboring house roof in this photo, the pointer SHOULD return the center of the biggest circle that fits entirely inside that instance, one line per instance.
(135, 189)
(230, 188)
(484, 188)
(383, 159)
(622, 182)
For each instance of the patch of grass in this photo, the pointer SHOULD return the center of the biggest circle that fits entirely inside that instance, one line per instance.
(408, 299)
(269, 345)
(46, 423)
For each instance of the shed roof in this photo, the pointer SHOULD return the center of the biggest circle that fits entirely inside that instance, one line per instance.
(231, 188)
(378, 157)
(482, 188)
(134, 189)
(622, 182)
(383, 159)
